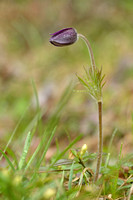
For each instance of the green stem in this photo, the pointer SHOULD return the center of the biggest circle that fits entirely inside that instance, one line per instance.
(100, 142)
(82, 163)
(90, 50)
(100, 137)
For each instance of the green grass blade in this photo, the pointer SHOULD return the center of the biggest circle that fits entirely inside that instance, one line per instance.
(39, 161)
(13, 133)
(107, 160)
(64, 99)
(25, 150)
(62, 178)
(33, 122)
(46, 148)
(36, 95)
(9, 162)
(12, 154)
(132, 123)
(120, 154)
(80, 181)
(33, 156)
(115, 179)
(37, 150)
(70, 176)
(109, 148)
(66, 149)
(37, 99)
(112, 138)
(51, 124)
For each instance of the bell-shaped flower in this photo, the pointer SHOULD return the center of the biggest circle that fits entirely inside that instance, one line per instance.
(64, 37)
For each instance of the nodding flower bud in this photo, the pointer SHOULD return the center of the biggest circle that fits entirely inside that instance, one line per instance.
(83, 150)
(64, 37)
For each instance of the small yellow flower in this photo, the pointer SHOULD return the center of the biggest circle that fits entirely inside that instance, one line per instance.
(50, 192)
(17, 180)
(59, 167)
(5, 172)
(83, 149)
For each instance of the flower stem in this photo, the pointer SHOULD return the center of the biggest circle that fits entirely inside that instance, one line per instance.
(100, 141)
(90, 50)
(100, 136)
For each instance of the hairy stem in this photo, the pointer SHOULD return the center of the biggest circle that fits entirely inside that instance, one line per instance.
(100, 136)
(90, 50)
(100, 142)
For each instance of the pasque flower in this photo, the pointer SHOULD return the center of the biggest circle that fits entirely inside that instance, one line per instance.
(93, 82)
(64, 37)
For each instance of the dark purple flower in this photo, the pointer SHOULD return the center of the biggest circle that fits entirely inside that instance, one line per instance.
(64, 37)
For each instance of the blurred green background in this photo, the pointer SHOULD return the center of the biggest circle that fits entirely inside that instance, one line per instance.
(26, 54)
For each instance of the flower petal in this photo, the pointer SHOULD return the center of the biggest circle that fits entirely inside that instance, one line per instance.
(66, 36)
